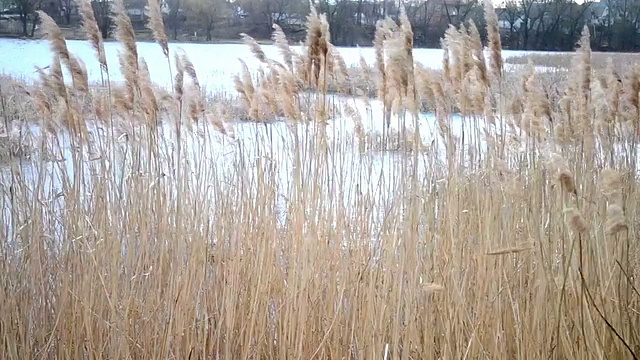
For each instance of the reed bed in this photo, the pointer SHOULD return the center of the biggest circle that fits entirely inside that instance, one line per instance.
(319, 212)
(600, 60)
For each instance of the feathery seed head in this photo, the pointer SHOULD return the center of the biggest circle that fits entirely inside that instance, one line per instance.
(59, 47)
(575, 221)
(178, 87)
(566, 180)
(317, 43)
(255, 47)
(563, 174)
(90, 27)
(611, 180)
(280, 39)
(156, 25)
(493, 32)
(615, 219)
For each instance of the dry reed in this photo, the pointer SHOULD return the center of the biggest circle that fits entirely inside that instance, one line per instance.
(156, 24)
(237, 240)
(90, 27)
(495, 44)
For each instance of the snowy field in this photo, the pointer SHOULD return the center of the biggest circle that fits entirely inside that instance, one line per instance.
(215, 63)
(348, 172)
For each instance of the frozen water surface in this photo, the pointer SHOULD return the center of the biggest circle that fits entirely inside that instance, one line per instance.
(215, 63)
(347, 171)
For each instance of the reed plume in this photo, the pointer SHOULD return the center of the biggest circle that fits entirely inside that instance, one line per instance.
(366, 74)
(446, 61)
(148, 98)
(317, 43)
(454, 42)
(178, 86)
(578, 97)
(195, 104)
(54, 35)
(611, 181)
(615, 220)
(576, 221)
(611, 85)
(101, 108)
(537, 113)
(255, 47)
(585, 62)
(129, 59)
(407, 47)
(566, 181)
(611, 186)
(215, 119)
(90, 27)
(337, 71)
(287, 102)
(495, 45)
(59, 47)
(478, 54)
(156, 25)
(190, 70)
(280, 39)
(245, 87)
(563, 175)
(378, 42)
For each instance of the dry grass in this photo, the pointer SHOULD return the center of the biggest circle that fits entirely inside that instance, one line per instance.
(128, 235)
(622, 61)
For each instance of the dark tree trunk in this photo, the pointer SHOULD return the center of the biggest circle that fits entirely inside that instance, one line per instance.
(24, 19)
(175, 19)
(210, 32)
(101, 9)
(33, 25)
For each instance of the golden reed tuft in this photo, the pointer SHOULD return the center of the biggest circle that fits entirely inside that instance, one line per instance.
(90, 27)
(156, 25)
(495, 45)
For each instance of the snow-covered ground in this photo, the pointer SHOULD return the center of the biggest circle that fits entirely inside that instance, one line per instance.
(215, 63)
(347, 171)
(260, 157)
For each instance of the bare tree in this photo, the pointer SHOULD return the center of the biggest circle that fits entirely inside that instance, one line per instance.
(574, 22)
(624, 23)
(427, 27)
(66, 6)
(458, 11)
(513, 15)
(102, 11)
(205, 15)
(176, 17)
(262, 14)
(533, 13)
(26, 12)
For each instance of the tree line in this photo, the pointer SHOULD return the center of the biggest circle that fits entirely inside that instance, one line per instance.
(524, 24)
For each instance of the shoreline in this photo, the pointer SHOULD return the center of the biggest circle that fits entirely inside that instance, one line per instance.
(142, 37)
